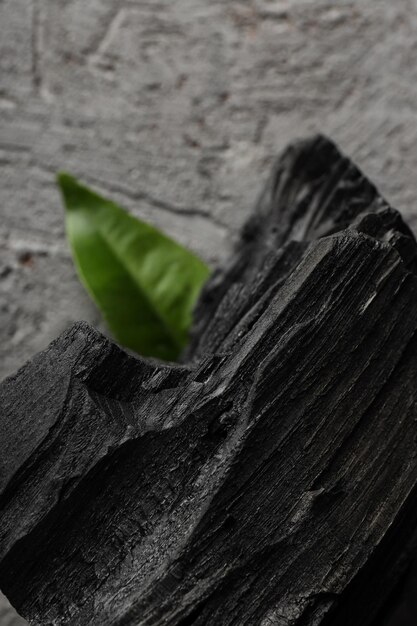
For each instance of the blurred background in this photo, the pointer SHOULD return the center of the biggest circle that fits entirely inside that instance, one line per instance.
(177, 110)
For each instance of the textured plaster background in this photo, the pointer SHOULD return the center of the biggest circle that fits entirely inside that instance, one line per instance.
(176, 109)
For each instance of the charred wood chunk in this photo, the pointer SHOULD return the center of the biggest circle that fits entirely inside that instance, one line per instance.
(271, 480)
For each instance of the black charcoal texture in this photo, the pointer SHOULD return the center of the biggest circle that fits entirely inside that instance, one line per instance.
(268, 480)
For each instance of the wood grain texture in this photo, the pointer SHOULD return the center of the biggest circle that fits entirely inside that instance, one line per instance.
(175, 110)
(271, 480)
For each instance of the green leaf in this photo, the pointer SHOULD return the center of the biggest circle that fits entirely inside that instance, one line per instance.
(145, 284)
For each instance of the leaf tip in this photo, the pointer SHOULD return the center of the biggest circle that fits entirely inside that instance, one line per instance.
(64, 179)
(73, 193)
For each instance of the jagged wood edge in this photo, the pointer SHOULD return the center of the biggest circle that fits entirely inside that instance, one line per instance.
(143, 417)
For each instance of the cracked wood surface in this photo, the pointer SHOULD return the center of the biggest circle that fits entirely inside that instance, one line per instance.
(272, 480)
(176, 110)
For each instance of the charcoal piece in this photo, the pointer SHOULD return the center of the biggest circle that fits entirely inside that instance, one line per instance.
(269, 480)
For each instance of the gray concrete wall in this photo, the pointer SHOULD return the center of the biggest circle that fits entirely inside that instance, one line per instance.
(176, 109)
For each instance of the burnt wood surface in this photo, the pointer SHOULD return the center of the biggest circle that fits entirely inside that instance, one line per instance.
(271, 479)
